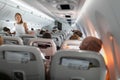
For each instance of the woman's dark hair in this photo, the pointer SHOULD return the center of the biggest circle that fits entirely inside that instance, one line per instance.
(20, 16)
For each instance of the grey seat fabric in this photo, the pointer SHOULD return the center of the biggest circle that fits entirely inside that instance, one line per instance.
(77, 65)
(12, 40)
(21, 62)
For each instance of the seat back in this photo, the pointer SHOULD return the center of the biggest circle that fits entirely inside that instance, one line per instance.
(4, 34)
(47, 46)
(26, 38)
(57, 40)
(12, 40)
(21, 62)
(77, 65)
(71, 44)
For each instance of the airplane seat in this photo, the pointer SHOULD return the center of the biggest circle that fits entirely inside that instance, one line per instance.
(12, 40)
(71, 44)
(4, 34)
(77, 65)
(47, 46)
(57, 40)
(62, 38)
(21, 62)
(26, 38)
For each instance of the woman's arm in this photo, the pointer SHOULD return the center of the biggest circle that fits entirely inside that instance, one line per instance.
(26, 28)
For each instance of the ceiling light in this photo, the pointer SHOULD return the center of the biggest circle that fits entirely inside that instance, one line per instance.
(54, 1)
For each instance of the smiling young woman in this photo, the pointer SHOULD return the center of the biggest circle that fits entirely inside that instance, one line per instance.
(20, 26)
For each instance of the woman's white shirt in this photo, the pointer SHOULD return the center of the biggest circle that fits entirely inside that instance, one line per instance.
(19, 29)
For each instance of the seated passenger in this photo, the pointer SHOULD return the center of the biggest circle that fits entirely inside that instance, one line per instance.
(74, 37)
(93, 44)
(47, 35)
(79, 33)
(7, 30)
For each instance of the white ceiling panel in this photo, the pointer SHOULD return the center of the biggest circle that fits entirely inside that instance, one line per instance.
(51, 7)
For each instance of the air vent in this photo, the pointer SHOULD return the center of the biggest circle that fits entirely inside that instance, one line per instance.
(67, 16)
(65, 7)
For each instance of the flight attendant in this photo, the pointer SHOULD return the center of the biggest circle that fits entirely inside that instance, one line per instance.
(20, 26)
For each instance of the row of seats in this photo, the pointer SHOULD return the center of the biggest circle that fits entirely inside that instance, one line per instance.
(58, 38)
(47, 46)
(61, 36)
(25, 63)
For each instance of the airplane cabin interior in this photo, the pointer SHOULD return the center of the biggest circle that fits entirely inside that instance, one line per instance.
(45, 51)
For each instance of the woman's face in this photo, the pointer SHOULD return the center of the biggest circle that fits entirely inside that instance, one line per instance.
(18, 18)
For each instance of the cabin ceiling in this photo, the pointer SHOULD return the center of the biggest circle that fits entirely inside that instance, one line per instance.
(62, 10)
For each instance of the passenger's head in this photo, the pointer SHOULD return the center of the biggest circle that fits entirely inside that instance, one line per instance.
(47, 35)
(18, 18)
(91, 43)
(6, 29)
(74, 37)
(79, 33)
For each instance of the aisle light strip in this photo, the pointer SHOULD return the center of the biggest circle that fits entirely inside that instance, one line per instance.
(21, 3)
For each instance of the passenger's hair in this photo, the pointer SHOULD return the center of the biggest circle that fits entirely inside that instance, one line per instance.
(6, 29)
(42, 32)
(79, 33)
(47, 35)
(74, 37)
(20, 16)
(91, 43)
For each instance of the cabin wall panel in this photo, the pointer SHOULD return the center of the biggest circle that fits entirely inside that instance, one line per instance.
(103, 17)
